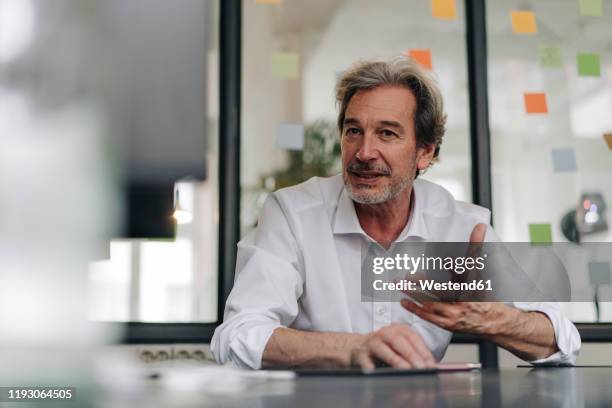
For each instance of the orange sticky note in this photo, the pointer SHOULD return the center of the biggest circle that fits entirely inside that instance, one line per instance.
(422, 56)
(444, 9)
(608, 139)
(535, 103)
(524, 22)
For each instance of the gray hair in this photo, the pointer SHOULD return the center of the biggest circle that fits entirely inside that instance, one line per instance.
(429, 117)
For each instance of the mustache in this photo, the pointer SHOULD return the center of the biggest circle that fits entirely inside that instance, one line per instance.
(359, 166)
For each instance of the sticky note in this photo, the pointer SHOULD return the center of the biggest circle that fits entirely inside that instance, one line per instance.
(444, 9)
(524, 22)
(608, 138)
(285, 65)
(268, 1)
(551, 56)
(564, 160)
(535, 103)
(592, 8)
(290, 136)
(599, 273)
(422, 56)
(588, 65)
(540, 233)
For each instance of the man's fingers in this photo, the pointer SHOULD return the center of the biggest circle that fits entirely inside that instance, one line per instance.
(478, 233)
(423, 313)
(433, 307)
(419, 345)
(385, 353)
(405, 346)
(420, 294)
(362, 359)
(476, 242)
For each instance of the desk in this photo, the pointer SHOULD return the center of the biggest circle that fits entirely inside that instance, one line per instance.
(520, 387)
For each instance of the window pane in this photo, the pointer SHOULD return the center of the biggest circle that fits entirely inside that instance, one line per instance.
(293, 52)
(158, 79)
(550, 105)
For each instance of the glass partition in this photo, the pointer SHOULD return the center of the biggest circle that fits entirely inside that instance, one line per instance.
(550, 102)
(293, 52)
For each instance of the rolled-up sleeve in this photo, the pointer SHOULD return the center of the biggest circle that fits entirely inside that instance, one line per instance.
(266, 290)
(566, 334)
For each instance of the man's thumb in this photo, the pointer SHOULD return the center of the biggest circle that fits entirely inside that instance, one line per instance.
(478, 233)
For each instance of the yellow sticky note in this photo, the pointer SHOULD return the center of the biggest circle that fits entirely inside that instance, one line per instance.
(444, 9)
(268, 1)
(285, 65)
(422, 56)
(524, 22)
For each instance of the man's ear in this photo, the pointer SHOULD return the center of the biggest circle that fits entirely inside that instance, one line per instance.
(425, 156)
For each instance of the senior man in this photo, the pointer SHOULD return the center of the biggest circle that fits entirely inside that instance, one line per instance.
(296, 299)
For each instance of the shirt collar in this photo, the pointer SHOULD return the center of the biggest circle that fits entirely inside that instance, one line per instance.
(346, 221)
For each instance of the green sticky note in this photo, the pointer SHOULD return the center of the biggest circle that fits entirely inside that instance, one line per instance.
(592, 8)
(551, 56)
(285, 65)
(588, 65)
(540, 234)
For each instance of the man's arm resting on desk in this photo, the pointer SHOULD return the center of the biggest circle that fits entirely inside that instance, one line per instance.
(529, 335)
(395, 345)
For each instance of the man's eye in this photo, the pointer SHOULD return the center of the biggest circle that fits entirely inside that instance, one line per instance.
(352, 131)
(388, 133)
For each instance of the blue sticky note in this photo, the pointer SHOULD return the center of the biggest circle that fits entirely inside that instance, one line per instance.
(290, 136)
(599, 273)
(564, 160)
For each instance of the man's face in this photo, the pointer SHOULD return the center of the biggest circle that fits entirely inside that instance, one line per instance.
(379, 151)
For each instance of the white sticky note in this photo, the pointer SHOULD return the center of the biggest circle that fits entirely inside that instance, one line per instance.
(290, 136)
(564, 160)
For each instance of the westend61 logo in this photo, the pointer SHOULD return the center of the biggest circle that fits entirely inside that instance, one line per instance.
(411, 264)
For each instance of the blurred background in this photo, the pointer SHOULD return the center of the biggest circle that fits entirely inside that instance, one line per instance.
(112, 166)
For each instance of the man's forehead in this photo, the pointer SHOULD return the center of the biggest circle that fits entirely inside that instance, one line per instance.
(394, 109)
(387, 100)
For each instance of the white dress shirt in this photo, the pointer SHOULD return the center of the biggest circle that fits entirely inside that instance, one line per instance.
(300, 268)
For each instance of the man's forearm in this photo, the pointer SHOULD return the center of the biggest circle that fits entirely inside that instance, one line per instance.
(294, 348)
(529, 335)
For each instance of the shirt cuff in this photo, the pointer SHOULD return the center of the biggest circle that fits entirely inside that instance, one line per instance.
(246, 350)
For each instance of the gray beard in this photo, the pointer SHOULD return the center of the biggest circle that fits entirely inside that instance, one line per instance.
(363, 196)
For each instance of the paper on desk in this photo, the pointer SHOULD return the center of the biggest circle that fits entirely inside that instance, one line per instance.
(217, 379)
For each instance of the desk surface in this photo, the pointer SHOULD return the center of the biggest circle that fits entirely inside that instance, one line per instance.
(521, 387)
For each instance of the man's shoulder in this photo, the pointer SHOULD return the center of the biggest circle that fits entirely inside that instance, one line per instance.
(438, 201)
(315, 191)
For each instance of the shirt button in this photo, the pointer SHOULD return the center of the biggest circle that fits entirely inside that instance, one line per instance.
(381, 310)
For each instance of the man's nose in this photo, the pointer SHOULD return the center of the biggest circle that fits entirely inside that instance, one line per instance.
(367, 151)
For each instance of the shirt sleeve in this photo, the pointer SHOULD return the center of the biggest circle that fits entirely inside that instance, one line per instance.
(266, 290)
(566, 334)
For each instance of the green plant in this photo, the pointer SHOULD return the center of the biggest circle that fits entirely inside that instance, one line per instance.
(320, 156)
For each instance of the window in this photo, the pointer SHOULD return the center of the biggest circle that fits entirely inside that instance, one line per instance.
(164, 59)
(293, 52)
(550, 106)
